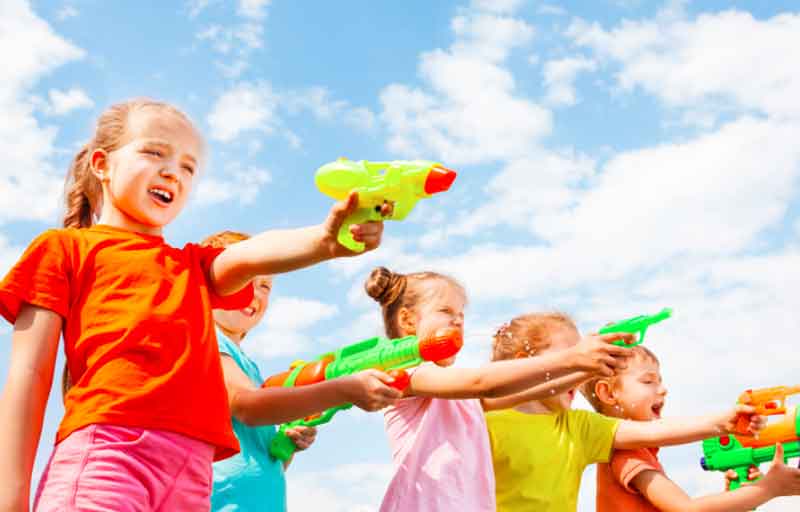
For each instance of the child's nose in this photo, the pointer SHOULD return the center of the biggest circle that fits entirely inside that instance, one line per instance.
(168, 173)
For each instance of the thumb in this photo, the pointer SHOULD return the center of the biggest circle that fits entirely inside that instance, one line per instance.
(778, 458)
(343, 208)
(382, 376)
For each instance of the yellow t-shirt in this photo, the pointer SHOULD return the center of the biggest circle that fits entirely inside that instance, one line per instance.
(539, 458)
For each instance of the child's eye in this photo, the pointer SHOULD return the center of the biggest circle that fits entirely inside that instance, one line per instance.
(189, 169)
(154, 152)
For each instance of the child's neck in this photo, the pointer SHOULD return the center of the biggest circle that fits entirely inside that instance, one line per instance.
(234, 336)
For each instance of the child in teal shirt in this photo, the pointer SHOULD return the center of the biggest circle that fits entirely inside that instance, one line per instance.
(253, 480)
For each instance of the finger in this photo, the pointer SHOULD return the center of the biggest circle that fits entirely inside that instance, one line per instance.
(778, 458)
(343, 208)
(617, 351)
(745, 409)
(731, 475)
(627, 337)
(381, 376)
(387, 208)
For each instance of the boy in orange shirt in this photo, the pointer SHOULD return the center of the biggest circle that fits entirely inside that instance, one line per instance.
(634, 480)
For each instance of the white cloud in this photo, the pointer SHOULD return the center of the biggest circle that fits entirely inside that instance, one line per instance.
(257, 107)
(551, 9)
(64, 102)
(245, 107)
(67, 12)
(497, 6)
(30, 188)
(319, 102)
(236, 183)
(559, 78)
(253, 9)
(727, 57)
(469, 111)
(345, 488)
(284, 329)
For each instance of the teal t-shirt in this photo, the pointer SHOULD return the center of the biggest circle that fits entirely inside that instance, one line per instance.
(252, 480)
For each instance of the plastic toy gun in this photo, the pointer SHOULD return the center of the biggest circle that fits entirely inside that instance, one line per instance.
(401, 182)
(392, 356)
(637, 324)
(740, 451)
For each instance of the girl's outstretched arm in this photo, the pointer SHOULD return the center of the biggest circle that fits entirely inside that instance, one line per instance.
(30, 375)
(278, 251)
(666, 432)
(538, 392)
(254, 406)
(499, 378)
(665, 495)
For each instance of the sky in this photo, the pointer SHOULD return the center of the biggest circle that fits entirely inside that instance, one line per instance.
(614, 157)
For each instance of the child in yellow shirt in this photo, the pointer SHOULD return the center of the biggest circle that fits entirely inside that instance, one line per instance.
(541, 447)
(634, 480)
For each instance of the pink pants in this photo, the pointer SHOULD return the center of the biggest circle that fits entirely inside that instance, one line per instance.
(125, 469)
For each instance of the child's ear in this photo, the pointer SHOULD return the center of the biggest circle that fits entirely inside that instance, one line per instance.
(98, 162)
(407, 321)
(605, 392)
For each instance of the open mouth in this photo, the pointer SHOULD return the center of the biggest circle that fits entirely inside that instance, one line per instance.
(160, 195)
(656, 408)
(249, 311)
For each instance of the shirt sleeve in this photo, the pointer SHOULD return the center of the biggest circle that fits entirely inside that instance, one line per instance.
(40, 277)
(596, 433)
(627, 464)
(238, 300)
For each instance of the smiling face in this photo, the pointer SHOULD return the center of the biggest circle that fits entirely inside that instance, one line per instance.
(146, 182)
(238, 322)
(639, 392)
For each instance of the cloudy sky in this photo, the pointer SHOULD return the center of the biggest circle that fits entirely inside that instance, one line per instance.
(614, 157)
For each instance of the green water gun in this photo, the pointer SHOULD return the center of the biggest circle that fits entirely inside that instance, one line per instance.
(739, 452)
(400, 182)
(389, 355)
(637, 324)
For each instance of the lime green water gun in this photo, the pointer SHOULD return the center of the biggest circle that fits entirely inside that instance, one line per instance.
(401, 182)
(389, 355)
(637, 324)
(739, 452)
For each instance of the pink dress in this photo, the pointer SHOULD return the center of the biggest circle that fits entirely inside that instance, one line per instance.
(442, 457)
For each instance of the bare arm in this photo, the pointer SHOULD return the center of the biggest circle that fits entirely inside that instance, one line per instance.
(538, 392)
(278, 251)
(501, 378)
(665, 495)
(22, 406)
(271, 406)
(672, 431)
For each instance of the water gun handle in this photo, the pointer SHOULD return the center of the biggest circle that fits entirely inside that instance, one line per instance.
(401, 379)
(359, 216)
(741, 477)
(282, 447)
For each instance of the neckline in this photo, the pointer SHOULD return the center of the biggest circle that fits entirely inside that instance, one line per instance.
(105, 228)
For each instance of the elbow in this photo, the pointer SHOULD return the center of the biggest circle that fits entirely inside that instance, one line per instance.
(243, 413)
(484, 387)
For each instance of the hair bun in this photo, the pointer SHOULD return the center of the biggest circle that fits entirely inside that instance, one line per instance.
(385, 286)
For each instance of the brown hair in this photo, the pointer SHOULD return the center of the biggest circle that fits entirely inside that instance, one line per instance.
(640, 353)
(224, 239)
(82, 190)
(394, 291)
(527, 334)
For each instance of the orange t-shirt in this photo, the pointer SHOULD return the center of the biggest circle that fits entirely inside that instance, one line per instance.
(614, 478)
(138, 331)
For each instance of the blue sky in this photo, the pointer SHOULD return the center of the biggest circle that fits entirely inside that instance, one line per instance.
(614, 157)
